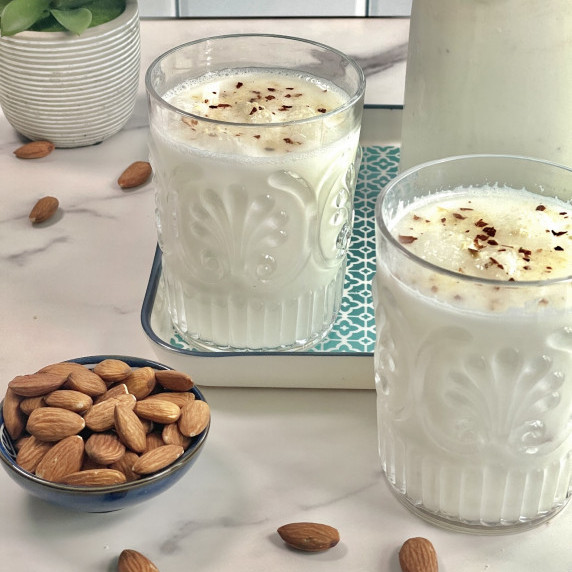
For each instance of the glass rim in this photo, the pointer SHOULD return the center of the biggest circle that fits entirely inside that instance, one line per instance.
(353, 98)
(382, 226)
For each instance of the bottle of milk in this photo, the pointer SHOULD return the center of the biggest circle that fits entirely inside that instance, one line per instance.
(488, 76)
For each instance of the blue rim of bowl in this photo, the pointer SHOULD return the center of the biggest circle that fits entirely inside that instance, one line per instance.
(7, 449)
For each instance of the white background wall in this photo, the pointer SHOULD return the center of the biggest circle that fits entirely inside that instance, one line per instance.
(264, 8)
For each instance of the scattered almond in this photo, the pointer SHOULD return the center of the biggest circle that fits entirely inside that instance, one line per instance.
(133, 561)
(34, 150)
(418, 555)
(141, 382)
(157, 459)
(44, 209)
(135, 175)
(86, 381)
(171, 435)
(101, 417)
(309, 536)
(180, 398)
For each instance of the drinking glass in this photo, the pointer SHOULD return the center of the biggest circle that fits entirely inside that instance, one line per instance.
(473, 375)
(254, 235)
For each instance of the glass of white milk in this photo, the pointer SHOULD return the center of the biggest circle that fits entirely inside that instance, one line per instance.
(255, 146)
(473, 360)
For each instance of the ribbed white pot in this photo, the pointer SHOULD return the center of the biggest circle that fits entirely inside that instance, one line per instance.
(72, 90)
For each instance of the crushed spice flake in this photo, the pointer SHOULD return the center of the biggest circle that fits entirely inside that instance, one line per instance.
(540, 208)
(406, 239)
(459, 216)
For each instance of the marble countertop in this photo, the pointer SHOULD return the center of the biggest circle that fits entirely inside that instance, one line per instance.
(75, 287)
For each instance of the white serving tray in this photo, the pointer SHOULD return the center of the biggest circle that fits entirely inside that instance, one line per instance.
(344, 359)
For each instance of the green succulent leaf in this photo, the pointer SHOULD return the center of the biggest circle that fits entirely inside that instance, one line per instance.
(19, 15)
(76, 20)
(69, 4)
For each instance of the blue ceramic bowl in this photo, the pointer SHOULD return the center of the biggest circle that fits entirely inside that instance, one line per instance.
(106, 498)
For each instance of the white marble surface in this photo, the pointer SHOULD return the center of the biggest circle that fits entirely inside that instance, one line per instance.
(75, 286)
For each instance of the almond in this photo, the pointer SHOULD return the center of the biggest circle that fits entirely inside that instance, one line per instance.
(86, 381)
(28, 404)
(171, 435)
(69, 399)
(101, 417)
(418, 555)
(135, 175)
(54, 423)
(133, 561)
(63, 367)
(130, 429)
(180, 398)
(112, 370)
(157, 459)
(125, 465)
(309, 536)
(153, 441)
(94, 478)
(36, 384)
(158, 410)
(141, 382)
(104, 448)
(174, 380)
(195, 417)
(34, 150)
(63, 458)
(44, 209)
(14, 419)
(115, 391)
(31, 453)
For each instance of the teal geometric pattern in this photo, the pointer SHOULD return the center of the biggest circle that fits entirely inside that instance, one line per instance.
(354, 329)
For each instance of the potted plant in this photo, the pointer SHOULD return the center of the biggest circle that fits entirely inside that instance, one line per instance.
(69, 69)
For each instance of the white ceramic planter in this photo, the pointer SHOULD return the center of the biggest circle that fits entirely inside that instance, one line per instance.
(72, 90)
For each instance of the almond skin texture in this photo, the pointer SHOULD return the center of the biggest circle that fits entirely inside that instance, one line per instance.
(178, 397)
(158, 410)
(34, 150)
(54, 423)
(14, 418)
(63, 458)
(141, 382)
(153, 441)
(36, 384)
(195, 417)
(135, 175)
(130, 429)
(69, 399)
(115, 391)
(157, 459)
(309, 536)
(174, 380)
(125, 465)
(86, 381)
(44, 209)
(31, 453)
(418, 555)
(94, 478)
(101, 417)
(112, 370)
(133, 561)
(104, 448)
(28, 404)
(172, 436)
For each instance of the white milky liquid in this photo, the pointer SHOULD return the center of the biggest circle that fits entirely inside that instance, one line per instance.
(254, 216)
(474, 379)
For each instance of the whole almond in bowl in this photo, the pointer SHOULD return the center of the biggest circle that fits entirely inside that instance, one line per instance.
(104, 457)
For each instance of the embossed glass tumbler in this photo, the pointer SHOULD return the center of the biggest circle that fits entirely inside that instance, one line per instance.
(473, 360)
(255, 146)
